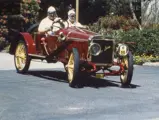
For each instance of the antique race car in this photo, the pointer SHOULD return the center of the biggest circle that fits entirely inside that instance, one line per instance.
(81, 51)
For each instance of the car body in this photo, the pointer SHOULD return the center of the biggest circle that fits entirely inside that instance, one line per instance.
(82, 52)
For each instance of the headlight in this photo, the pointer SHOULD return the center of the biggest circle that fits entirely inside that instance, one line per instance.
(94, 49)
(122, 50)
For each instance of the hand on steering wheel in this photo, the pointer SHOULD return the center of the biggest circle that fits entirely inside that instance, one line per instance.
(60, 21)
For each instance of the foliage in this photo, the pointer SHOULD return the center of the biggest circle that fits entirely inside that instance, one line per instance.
(3, 31)
(147, 41)
(150, 26)
(94, 9)
(2, 43)
(28, 10)
(125, 30)
(90, 10)
(107, 24)
(139, 60)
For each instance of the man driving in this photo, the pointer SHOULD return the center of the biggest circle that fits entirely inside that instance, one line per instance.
(71, 21)
(50, 24)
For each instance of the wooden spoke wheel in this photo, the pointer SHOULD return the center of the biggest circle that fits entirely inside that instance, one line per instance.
(21, 58)
(126, 76)
(73, 67)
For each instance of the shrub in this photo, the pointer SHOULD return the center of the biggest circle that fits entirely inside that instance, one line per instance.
(3, 31)
(124, 29)
(28, 9)
(108, 24)
(139, 60)
(147, 41)
(2, 43)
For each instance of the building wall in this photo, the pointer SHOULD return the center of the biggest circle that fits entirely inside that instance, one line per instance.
(150, 12)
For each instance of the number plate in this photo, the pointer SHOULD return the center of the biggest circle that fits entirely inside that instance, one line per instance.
(99, 75)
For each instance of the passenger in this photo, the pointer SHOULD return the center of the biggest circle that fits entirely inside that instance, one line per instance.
(71, 21)
(46, 25)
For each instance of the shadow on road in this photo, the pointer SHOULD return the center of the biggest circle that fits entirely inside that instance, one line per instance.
(93, 82)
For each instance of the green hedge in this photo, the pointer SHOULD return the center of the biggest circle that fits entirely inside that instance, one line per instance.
(124, 29)
(106, 24)
(146, 41)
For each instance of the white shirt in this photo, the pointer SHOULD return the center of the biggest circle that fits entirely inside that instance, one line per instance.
(46, 24)
(75, 24)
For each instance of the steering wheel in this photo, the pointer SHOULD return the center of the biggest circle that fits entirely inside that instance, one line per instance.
(60, 22)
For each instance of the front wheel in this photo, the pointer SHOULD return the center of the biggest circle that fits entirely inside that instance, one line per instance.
(126, 76)
(21, 58)
(73, 67)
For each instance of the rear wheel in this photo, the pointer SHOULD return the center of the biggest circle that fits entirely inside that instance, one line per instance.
(73, 67)
(126, 76)
(21, 58)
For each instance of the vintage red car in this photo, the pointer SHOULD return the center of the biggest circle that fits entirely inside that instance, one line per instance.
(80, 51)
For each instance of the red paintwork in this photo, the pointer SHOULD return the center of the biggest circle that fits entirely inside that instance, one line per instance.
(53, 44)
(74, 32)
(79, 39)
(115, 72)
(29, 42)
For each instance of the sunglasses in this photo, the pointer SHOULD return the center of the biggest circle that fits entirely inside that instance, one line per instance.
(52, 13)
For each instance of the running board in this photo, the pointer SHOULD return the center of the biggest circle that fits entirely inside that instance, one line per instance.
(34, 56)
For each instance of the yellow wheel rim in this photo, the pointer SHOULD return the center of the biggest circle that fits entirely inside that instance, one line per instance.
(125, 64)
(20, 56)
(70, 68)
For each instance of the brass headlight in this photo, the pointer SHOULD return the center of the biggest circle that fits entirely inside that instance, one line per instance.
(122, 49)
(94, 49)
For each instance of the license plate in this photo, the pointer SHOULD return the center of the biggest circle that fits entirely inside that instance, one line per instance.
(99, 75)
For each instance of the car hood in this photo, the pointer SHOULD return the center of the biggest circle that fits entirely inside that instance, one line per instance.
(77, 33)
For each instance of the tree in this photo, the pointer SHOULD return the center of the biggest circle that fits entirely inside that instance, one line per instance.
(133, 14)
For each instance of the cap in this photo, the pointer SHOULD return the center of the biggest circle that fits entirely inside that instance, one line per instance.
(71, 12)
(51, 9)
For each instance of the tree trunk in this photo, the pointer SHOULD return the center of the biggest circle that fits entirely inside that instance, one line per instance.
(133, 14)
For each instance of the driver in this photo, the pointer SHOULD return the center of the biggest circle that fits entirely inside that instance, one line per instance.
(71, 21)
(46, 25)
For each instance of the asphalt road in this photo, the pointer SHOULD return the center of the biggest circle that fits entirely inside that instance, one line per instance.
(44, 94)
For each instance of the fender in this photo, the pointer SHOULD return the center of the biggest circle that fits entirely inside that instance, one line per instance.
(31, 46)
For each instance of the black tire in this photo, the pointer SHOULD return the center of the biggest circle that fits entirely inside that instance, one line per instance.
(72, 71)
(21, 58)
(126, 76)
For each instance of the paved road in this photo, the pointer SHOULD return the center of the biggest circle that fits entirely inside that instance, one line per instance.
(44, 94)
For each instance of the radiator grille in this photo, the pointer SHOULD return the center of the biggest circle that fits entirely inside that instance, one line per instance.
(106, 56)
